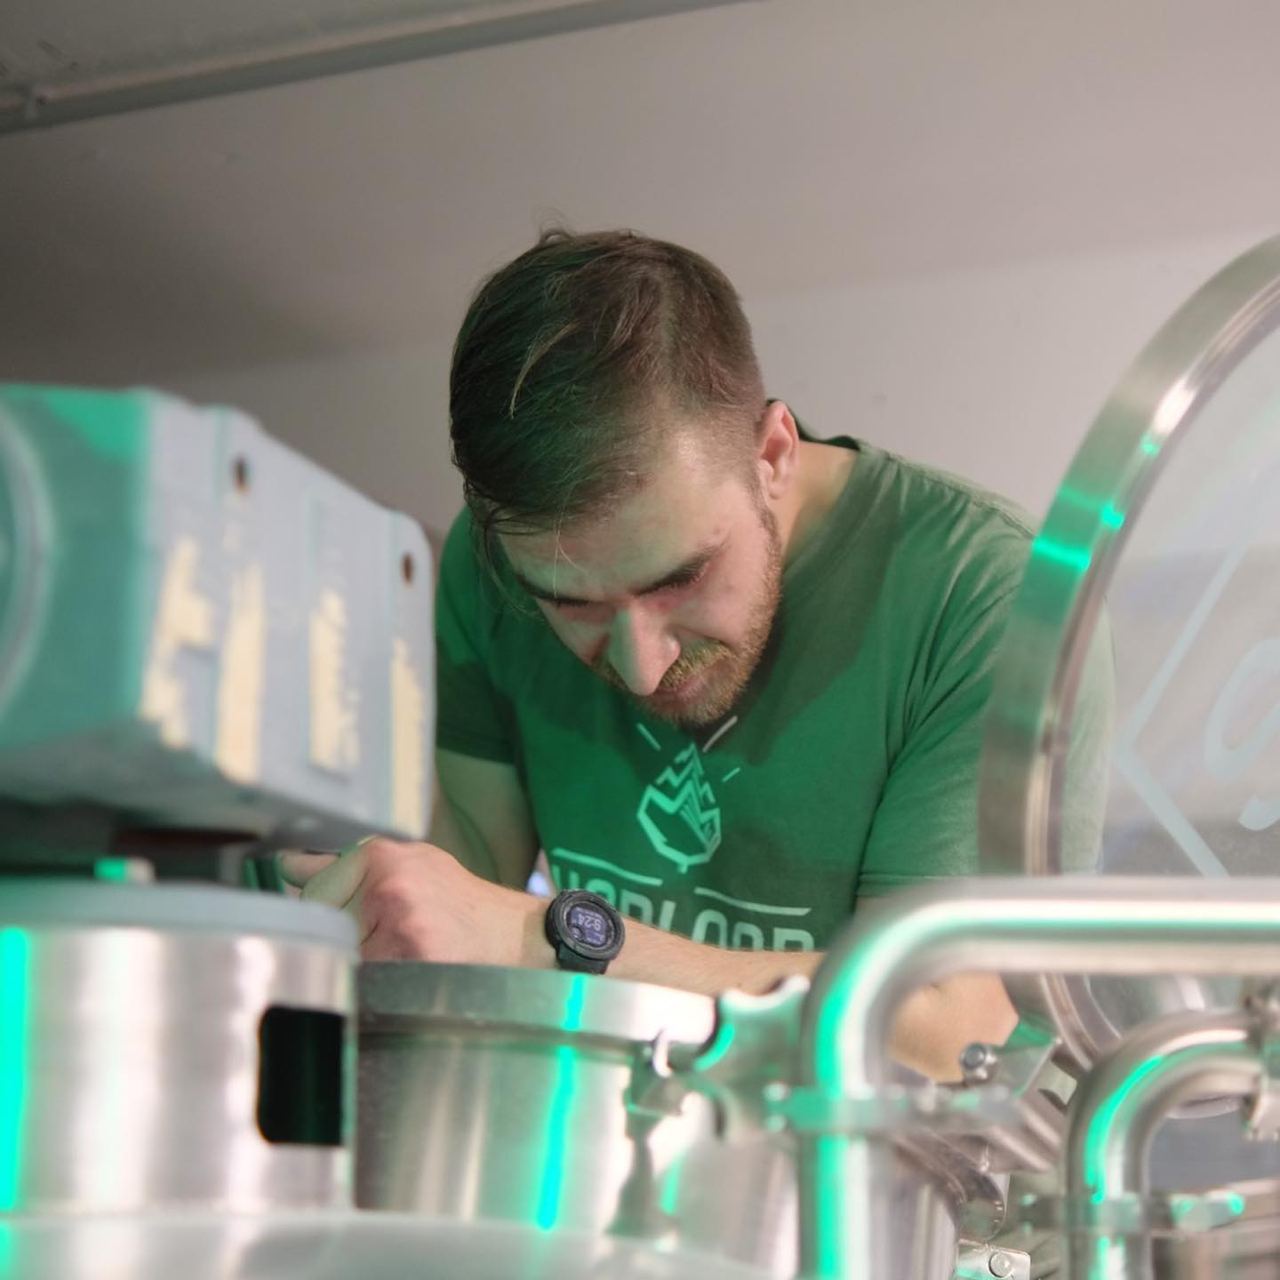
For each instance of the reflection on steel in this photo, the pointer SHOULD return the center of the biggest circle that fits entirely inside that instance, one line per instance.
(1012, 926)
(334, 1245)
(1245, 1250)
(492, 1095)
(1115, 1115)
(1072, 564)
(133, 1072)
(498, 1095)
(983, 1262)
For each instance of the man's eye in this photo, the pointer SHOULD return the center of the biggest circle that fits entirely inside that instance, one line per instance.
(686, 581)
(584, 610)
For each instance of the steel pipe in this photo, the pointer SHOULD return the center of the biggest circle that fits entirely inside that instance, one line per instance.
(1007, 926)
(1114, 1117)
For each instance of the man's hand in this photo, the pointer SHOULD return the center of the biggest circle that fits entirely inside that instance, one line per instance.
(417, 902)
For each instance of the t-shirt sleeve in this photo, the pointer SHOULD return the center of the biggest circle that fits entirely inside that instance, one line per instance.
(472, 715)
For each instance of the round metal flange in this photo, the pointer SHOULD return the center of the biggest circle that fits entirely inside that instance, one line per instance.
(1061, 610)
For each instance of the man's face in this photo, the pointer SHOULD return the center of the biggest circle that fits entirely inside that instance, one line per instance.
(671, 594)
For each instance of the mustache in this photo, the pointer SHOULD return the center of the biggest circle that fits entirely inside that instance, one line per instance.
(688, 664)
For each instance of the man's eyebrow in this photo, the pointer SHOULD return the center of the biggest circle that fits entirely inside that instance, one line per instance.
(679, 576)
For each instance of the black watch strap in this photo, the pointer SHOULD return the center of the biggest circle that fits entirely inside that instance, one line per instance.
(569, 959)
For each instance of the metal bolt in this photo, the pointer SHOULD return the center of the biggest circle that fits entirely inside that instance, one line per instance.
(978, 1062)
(1000, 1264)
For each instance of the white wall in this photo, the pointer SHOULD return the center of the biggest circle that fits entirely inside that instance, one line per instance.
(953, 223)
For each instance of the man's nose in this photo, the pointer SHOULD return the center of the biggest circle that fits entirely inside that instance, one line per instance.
(640, 650)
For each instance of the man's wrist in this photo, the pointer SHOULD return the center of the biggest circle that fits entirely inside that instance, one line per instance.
(535, 951)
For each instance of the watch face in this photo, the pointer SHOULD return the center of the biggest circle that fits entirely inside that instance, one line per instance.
(587, 924)
(585, 930)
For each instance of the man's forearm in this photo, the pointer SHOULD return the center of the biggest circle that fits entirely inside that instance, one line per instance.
(929, 1032)
(652, 955)
(417, 902)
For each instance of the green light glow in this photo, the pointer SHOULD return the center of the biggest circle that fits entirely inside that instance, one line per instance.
(1107, 512)
(15, 961)
(114, 869)
(109, 423)
(558, 1137)
(1106, 1255)
(832, 1226)
(7, 1251)
(1095, 1144)
(1050, 549)
(1112, 517)
(719, 1048)
(669, 1200)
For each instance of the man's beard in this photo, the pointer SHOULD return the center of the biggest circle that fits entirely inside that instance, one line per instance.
(730, 667)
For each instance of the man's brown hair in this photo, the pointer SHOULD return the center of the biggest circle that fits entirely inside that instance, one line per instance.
(570, 360)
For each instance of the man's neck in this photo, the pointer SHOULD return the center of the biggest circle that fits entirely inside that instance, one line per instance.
(824, 471)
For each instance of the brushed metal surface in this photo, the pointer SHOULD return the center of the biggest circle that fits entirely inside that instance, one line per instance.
(331, 1246)
(1118, 1108)
(1001, 925)
(1248, 1249)
(490, 1094)
(129, 1052)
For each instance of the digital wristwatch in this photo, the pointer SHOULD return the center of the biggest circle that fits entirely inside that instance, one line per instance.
(584, 931)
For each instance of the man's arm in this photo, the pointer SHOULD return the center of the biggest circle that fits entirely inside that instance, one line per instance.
(480, 814)
(418, 902)
(930, 1031)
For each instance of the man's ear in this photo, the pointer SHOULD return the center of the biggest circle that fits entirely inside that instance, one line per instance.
(777, 450)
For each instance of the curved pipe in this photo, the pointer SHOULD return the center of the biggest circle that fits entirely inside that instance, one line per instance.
(1007, 926)
(1120, 1105)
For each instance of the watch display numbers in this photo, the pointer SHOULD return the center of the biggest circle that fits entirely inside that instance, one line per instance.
(588, 926)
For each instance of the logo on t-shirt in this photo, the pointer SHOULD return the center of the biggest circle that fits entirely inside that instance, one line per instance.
(681, 820)
(679, 813)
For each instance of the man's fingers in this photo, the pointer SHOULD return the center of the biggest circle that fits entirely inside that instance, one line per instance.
(298, 867)
(374, 883)
(327, 877)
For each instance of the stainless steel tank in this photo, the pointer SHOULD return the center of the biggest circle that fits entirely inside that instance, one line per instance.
(338, 1245)
(490, 1094)
(168, 1047)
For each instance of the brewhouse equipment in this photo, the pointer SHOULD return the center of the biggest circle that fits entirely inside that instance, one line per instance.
(210, 650)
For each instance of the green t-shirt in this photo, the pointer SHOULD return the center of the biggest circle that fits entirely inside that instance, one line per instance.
(849, 767)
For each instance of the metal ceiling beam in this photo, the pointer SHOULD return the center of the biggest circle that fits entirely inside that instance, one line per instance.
(96, 92)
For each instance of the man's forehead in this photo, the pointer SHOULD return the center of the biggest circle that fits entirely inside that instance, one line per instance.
(685, 507)
(615, 557)
(575, 562)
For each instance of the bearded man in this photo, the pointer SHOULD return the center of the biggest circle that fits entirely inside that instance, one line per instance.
(729, 677)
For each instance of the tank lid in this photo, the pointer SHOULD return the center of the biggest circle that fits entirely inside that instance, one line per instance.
(83, 904)
(410, 997)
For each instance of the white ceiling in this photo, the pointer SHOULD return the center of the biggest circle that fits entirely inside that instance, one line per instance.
(795, 142)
